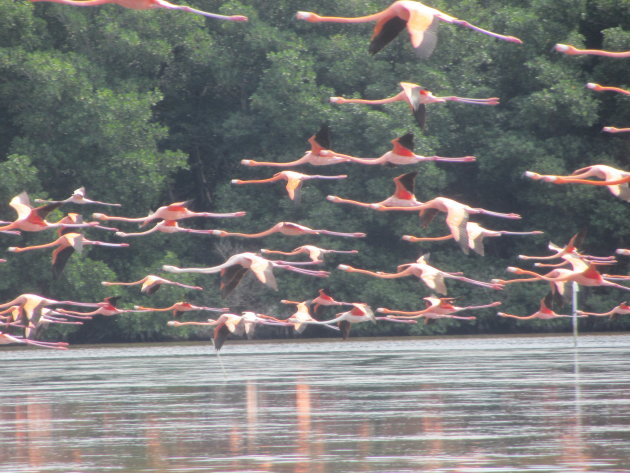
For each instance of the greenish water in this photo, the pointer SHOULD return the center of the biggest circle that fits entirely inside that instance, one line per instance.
(465, 405)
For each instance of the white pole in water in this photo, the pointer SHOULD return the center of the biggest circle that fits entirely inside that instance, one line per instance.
(574, 300)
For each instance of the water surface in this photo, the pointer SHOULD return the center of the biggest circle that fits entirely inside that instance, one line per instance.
(514, 404)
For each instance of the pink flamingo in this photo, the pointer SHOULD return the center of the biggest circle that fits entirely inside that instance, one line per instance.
(315, 253)
(294, 181)
(417, 97)
(302, 316)
(544, 312)
(402, 154)
(233, 270)
(318, 155)
(602, 88)
(436, 308)
(621, 309)
(225, 325)
(420, 21)
(65, 246)
(325, 300)
(573, 51)
(77, 197)
(146, 5)
(166, 226)
(179, 308)
(289, 229)
(7, 339)
(429, 275)
(612, 129)
(403, 195)
(151, 283)
(31, 219)
(615, 179)
(457, 215)
(174, 211)
(106, 308)
(476, 234)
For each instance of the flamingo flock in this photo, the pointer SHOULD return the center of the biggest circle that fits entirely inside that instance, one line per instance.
(22, 317)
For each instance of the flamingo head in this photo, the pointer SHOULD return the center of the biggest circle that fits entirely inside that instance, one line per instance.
(307, 16)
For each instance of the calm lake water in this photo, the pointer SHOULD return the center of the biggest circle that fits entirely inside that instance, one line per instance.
(465, 405)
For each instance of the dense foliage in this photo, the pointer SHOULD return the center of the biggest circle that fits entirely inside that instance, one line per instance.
(150, 107)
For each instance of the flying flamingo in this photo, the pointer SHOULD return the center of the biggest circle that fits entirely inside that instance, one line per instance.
(315, 253)
(417, 97)
(621, 309)
(233, 270)
(302, 316)
(225, 325)
(294, 181)
(174, 211)
(476, 234)
(457, 215)
(403, 195)
(615, 179)
(151, 283)
(432, 277)
(289, 229)
(544, 312)
(7, 339)
(325, 300)
(573, 51)
(32, 305)
(146, 5)
(436, 308)
(603, 88)
(31, 219)
(106, 308)
(65, 246)
(179, 308)
(318, 155)
(582, 272)
(420, 20)
(612, 129)
(77, 197)
(166, 226)
(402, 154)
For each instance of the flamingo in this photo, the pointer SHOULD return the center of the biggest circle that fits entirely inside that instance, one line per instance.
(615, 179)
(233, 270)
(324, 299)
(294, 181)
(225, 325)
(146, 5)
(544, 312)
(621, 309)
(150, 284)
(302, 316)
(420, 20)
(31, 308)
(318, 155)
(417, 97)
(402, 154)
(573, 51)
(475, 234)
(429, 275)
(7, 339)
(582, 272)
(315, 253)
(174, 211)
(289, 229)
(166, 226)
(66, 245)
(30, 219)
(457, 215)
(403, 195)
(603, 88)
(436, 308)
(77, 197)
(612, 129)
(106, 308)
(179, 308)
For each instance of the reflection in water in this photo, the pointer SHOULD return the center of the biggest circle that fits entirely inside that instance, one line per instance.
(450, 405)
